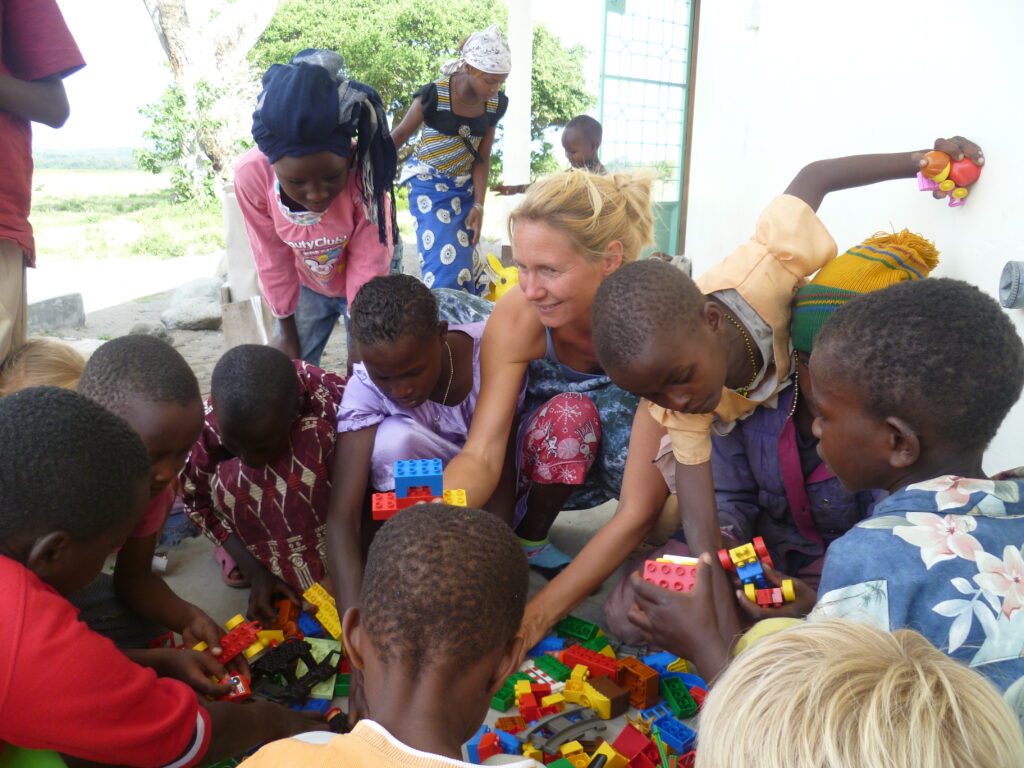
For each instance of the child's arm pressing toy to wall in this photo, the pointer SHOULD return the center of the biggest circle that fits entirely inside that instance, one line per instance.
(694, 481)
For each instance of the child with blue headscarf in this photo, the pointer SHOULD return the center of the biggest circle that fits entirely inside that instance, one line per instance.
(447, 173)
(317, 196)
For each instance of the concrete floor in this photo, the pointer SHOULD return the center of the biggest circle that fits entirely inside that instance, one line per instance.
(193, 573)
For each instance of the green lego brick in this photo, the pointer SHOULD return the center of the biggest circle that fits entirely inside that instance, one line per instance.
(230, 762)
(562, 762)
(506, 695)
(678, 697)
(552, 667)
(341, 684)
(596, 644)
(320, 648)
(577, 628)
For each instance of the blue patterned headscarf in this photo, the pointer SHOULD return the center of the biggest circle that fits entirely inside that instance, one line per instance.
(309, 106)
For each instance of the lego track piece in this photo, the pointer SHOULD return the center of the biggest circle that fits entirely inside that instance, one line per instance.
(524, 736)
(572, 733)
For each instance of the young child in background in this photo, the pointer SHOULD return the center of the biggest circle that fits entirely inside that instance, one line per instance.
(412, 397)
(434, 634)
(856, 698)
(705, 354)
(147, 382)
(258, 480)
(41, 363)
(74, 480)
(769, 479)
(581, 141)
(907, 399)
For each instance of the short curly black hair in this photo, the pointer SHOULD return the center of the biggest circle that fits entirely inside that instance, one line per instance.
(588, 126)
(138, 367)
(938, 353)
(66, 463)
(251, 379)
(443, 587)
(638, 302)
(388, 308)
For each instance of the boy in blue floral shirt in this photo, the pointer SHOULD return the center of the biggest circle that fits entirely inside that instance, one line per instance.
(910, 384)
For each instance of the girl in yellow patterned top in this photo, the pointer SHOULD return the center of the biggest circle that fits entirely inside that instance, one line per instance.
(447, 173)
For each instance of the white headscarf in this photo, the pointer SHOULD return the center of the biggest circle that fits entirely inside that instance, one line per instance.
(487, 50)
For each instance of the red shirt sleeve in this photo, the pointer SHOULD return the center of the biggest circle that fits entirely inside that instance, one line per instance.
(36, 41)
(64, 687)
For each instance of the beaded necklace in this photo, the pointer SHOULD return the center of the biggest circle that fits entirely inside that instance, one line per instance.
(750, 351)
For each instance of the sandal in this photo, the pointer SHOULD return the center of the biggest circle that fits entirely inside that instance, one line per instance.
(228, 567)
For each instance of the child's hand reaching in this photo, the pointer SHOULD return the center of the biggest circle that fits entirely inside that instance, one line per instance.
(190, 667)
(698, 625)
(805, 600)
(266, 590)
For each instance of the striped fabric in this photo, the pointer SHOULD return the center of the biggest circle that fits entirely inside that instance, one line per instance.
(448, 154)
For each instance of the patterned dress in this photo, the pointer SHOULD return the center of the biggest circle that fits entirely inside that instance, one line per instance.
(440, 182)
(278, 511)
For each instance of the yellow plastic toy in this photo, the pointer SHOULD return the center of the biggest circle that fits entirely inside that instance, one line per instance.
(502, 278)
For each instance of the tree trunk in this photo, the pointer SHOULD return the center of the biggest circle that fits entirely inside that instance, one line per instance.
(207, 43)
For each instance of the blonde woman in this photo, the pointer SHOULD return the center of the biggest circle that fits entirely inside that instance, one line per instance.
(855, 697)
(572, 230)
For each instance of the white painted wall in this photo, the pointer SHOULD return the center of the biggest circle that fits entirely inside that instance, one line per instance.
(823, 78)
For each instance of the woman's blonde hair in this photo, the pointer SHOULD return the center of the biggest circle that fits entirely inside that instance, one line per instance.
(836, 694)
(41, 362)
(592, 210)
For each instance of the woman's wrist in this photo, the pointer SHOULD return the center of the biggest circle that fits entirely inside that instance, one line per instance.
(478, 206)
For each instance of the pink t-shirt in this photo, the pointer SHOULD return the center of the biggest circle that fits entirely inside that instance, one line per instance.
(333, 257)
(34, 43)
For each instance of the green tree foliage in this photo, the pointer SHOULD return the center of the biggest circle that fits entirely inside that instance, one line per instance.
(399, 45)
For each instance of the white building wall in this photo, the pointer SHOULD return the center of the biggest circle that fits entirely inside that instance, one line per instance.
(781, 83)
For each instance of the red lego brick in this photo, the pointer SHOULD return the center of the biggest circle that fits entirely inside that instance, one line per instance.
(240, 690)
(540, 690)
(415, 496)
(675, 576)
(769, 597)
(237, 640)
(641, 680)
(489, 746)
(385, 506)
(698, 694)
(630, 742)
(597, 663)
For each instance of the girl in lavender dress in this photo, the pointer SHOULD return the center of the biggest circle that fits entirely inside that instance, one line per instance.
(411, 397)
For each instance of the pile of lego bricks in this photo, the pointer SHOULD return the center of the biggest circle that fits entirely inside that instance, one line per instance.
(577, 703)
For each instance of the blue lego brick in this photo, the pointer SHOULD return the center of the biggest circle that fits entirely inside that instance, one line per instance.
(752, 573)
(473, 745)
(419, 472)
(691, 681)
(547, 645)
(676, 734)
(317, 705)
(659, 710)
(309, 626)
(659, 661)
(509, 743)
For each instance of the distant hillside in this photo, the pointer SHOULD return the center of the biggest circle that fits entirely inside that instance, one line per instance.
(102, 159)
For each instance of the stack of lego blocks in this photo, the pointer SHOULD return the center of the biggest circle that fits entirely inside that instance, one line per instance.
(572, 685)
(298, 662)
(416, 480)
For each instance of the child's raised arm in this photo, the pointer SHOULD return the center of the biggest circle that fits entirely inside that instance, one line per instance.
(823, 176)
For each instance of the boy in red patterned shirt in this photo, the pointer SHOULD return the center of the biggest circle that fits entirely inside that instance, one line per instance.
(258, 480)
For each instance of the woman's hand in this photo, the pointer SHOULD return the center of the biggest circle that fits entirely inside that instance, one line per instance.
(474, 221)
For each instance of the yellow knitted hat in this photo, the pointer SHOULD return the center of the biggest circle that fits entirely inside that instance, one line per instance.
(878, 262)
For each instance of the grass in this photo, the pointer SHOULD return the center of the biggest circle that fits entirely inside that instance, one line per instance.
(82, 215)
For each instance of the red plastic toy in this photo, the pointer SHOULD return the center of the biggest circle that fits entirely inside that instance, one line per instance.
(240, 690)
(679, 577)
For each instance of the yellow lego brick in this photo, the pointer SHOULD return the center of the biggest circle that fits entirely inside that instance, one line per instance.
(743, 554)
(534, 753)
(200, 646)
(554, 698)
(326, 611)
(607, 651)
(234, 621)
(677, 559)
(573, 691)
(597, 700)
(320, 647)
(270, 636)
(580, 672)
(613, 758)
(679, 665)
(521, 688)
(574, 753)
(456, 497)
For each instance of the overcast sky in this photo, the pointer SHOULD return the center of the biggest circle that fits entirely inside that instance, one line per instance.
(125, 66)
